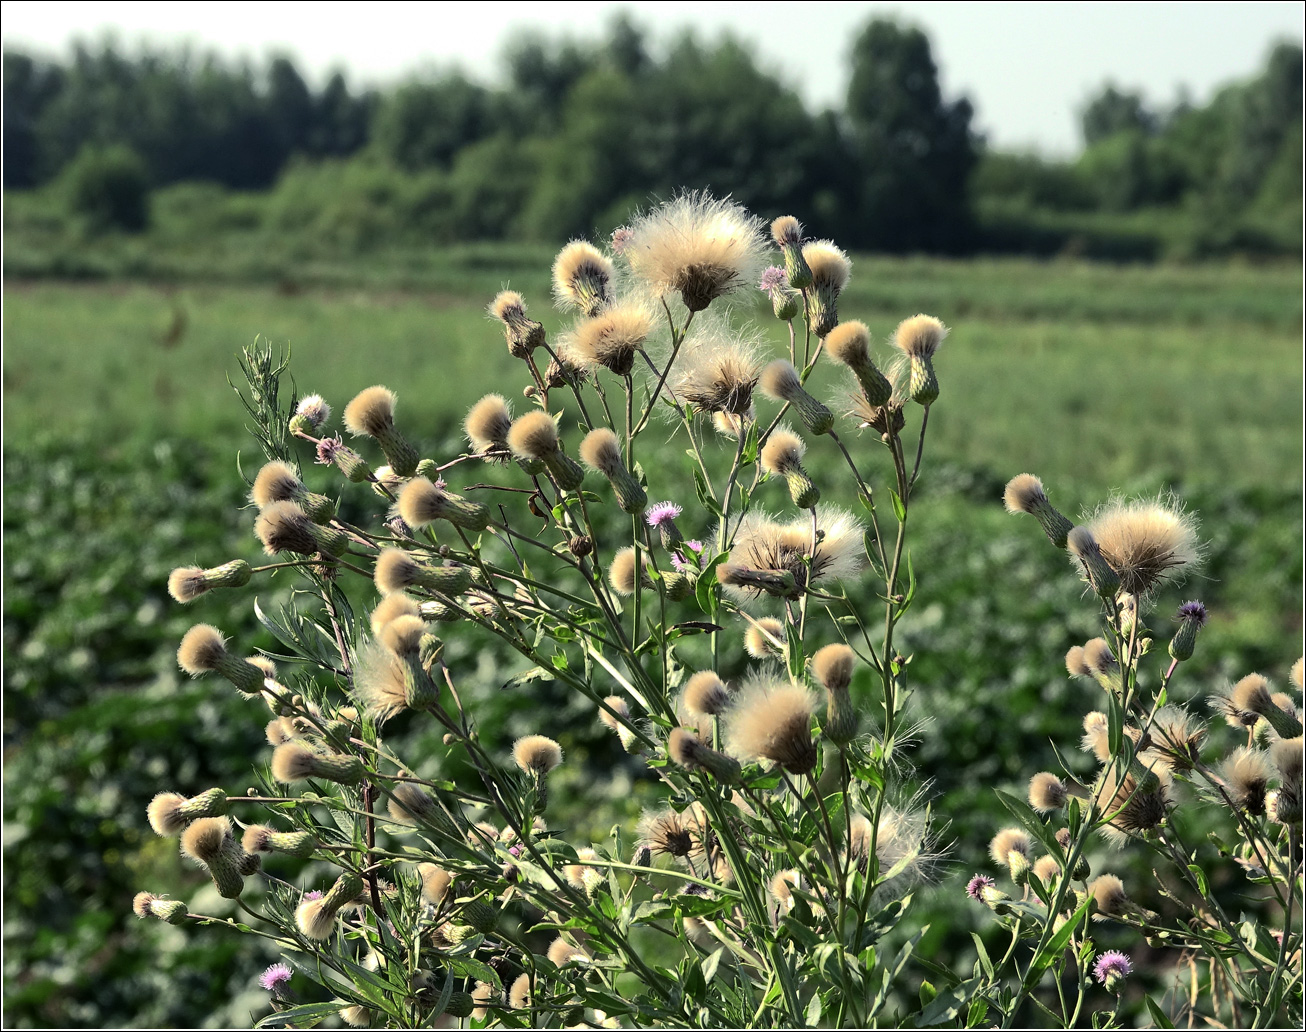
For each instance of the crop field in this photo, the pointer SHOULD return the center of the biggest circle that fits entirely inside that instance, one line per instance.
(120, 462)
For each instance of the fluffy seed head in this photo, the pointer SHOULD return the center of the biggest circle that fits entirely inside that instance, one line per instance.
(533, 436)
(665, 832)
(697, 246)
(519, 996)
(762, 544)
(164, 813)
(1176, 738)
(202, 649)
(780, 381)
(718, 373)
(1047, 869)
(1145, 541)
(1007, 841)
(394, 605)
(757, 643)
(487, 424)
(1295, 674)
(1109, 896)
(919, 336)
(833, 666)
(292, 762)
(1252, 693)
(786, 230)
(830, 266)
(536, 754)
(371, 413)
(783, 451)
(1024, 493)
(1076, 665)
(1246, 772)
(187, 583)
(1047, 792)
(706, 695)
(379, 683)
(612, 338)
(313, 412)
(582, 278)
(772, 720)
(284, 527)
(849, 343)
(1096, 736)
(403, 635)
(435, 883)
(276, 482)
(395, 570)
(507, 305)
(621, 572)
(1098, 656)
(315, 921)
(601, 451)
(204, 839)
(1134, 807)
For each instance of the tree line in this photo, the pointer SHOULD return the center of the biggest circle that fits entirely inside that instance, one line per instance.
(579, 134)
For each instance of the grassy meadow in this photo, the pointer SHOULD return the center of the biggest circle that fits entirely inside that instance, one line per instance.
(120, 445)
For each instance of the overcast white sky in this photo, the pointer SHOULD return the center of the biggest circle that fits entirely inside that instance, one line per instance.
(1027, 67)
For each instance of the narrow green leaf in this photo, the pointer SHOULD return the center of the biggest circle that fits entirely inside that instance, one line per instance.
(813, 1015)
(984, 960)
(899, 510)
(1158, 1015)
(306, 1015)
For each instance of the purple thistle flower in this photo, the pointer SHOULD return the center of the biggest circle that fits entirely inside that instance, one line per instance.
(1111, 966)
(515, 851)
(1193, 611)
(327, 448)
(441, 483)
(976, 886)
(773, 279)
(275, 977)
(662, 512)
(689, 556)
(313, 894)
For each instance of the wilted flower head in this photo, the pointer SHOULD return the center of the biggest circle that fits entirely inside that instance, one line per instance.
(772, 720)
(718, 370)
(976, 886)
(582, 278)
(536, 754)
(696, 246)
(1134, 805)
(612, 337)
(1145, 541)
(664, 831)
(762, 544)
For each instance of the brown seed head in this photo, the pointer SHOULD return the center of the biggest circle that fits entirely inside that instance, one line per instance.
(718, 371)
(1246, 772)
(371, 413)
(663, 831)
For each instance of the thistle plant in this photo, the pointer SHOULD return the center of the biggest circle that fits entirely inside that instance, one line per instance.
(788, 836)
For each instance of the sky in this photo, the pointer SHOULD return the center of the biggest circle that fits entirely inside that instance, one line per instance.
(1027, 67)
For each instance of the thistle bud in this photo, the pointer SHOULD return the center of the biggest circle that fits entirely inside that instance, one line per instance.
(396, 571)
(780, 381)
(601, 451)
(187, 583)
(371, 414)
(311, 415)
(1083, 546)
(849, 343)
(421, 502)
(830, 270)
(787, 232)
(1024, 493)
(483, 918)
(580, 545)
(782, 456)
(294, 761)
(524, 335)
(278, 482)
(203, 649)
(285, 527)
(919, 338)
(1191, 616)
(535, 436)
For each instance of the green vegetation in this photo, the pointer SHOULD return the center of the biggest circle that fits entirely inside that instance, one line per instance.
(119, 439)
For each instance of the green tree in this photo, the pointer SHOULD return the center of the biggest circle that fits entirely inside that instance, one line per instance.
(913, 150)
(109, 188)
(425, 124)
(1113, 111)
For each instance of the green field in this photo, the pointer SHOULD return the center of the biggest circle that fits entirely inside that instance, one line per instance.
(120, 443)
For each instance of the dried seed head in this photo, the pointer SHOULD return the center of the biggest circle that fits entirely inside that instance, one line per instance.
(1146, 541)
(371, 413)
(764, 545)
(830, 266)
(1252, 693)
(765, 638)
(403, 634)
(1047, 869)
(1081, 544)
(435, 883)
(1134, 805)
(919, 336)
(422, 502)
(1098, 657)
(706, 695)
(533, 436)
(394, 605)
(617, 708)
(772, 720)
(285, 527)
(696, 246)
(187, 583)
(582, 278)
(718, 371)
(1246, 772)
(523, 334)
(1076, 665)
(536, 754)
(786, 230)
(1024, 493)
(1176, 738)
(612, 338)
(1047, 792)
(782, 885)
(487, 424)
(663, 831)
(833, 666)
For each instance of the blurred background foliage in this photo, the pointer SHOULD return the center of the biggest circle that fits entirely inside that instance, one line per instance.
(163, 208)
